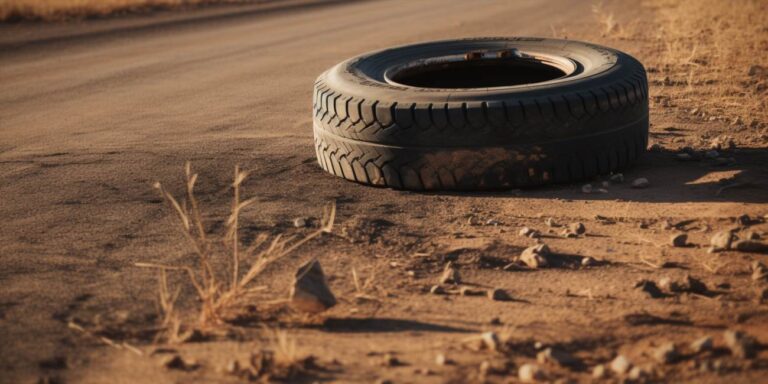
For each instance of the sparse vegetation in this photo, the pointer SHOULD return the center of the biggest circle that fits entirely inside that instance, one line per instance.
(56, 10)
(218, 291)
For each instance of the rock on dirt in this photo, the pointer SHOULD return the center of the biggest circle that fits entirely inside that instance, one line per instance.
(599, 372)
(310, 292)
(649, 288)
(640, 183)
(722, 241)
(588, 261)
(666, 353)
(299, 222)
(530, 373)
(177, 362)
(759, 271)
(437, 290)
(620, 365)
(586, 188)
(550, 222)
(702, 344)
(560, 357)
(441, 359)
(741, 345)
(490, 341)
(529, 232)
(679, 240)
(617, 178)
(577, 228)
(536, 256)
(499, 295)
(450, 275)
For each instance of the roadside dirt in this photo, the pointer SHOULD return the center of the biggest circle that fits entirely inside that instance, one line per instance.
(87, 128)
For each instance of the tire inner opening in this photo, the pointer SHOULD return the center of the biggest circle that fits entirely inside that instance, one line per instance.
(483, 73)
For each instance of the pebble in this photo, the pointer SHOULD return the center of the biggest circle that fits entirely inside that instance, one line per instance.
(529, 232)
(310, 292)
(679, 240)
(493, 222)
(712, 154)
(759, 272)
(695, 285)
(683, 156)
(550, 222)
(535, 256)
(640, 183)
(450, 275)
(441, 359)
(389, 360)
(668, 284)
(617, 178)
(587, 188)
(702, 344)
(490, 340)
(741, 345)
(637, 373)
(649, 288)
(620, 365)
(666, 353)
(577, 228)
(232, 367)
(556, 356)
(499, 295)
(722, 241)
(599, 372)
(299, 222)
(473, 220)
(588, 261)
(176, 362)
(529, 373)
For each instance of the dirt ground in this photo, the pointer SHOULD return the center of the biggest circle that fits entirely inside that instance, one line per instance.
(91, 114)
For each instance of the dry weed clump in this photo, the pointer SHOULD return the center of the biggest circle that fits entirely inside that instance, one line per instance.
(57, 10)
(219, 292)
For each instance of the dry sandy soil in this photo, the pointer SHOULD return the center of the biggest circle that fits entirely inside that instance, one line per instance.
(91, 114)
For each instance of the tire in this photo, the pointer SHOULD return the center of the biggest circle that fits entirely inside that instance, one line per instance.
(376, 128)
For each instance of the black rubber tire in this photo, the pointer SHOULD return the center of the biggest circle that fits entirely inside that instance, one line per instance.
(589, 122)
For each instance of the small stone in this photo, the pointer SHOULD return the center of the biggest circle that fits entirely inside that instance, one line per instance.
(529, 232)
(617, 178)
(640, 183)
(176, 362)
(649, 288)
(683, 156)
(702, 344)
(437, 290)
(586, 188)
(741, 345)
(550, 222)
(712, 154)
(752, 235)
(556, 356)
(668, 284)
(666, 353)
(599, 372)
(606, 184)
(536, 256)
(759, 271)
(440, 359)
(588, 261)
(695, 285)
(620, 365)
(490, 340)
(695, 111)
(499, 295)
(450, 275)
(577, 228)
(299, 222)
(722, 241)
(750, 246)
(529, 373)
(679, 240)
(423, 371)
(636, 373)
(310, 292)
(473, 220)
(389, 360)
(232, 367)
(493, 222)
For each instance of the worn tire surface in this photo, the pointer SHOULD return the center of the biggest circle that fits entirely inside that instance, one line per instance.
(591, 121)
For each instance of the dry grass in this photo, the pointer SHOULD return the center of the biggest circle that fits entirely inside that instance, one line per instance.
(219, 291)
(706, 58)
(55, 10)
